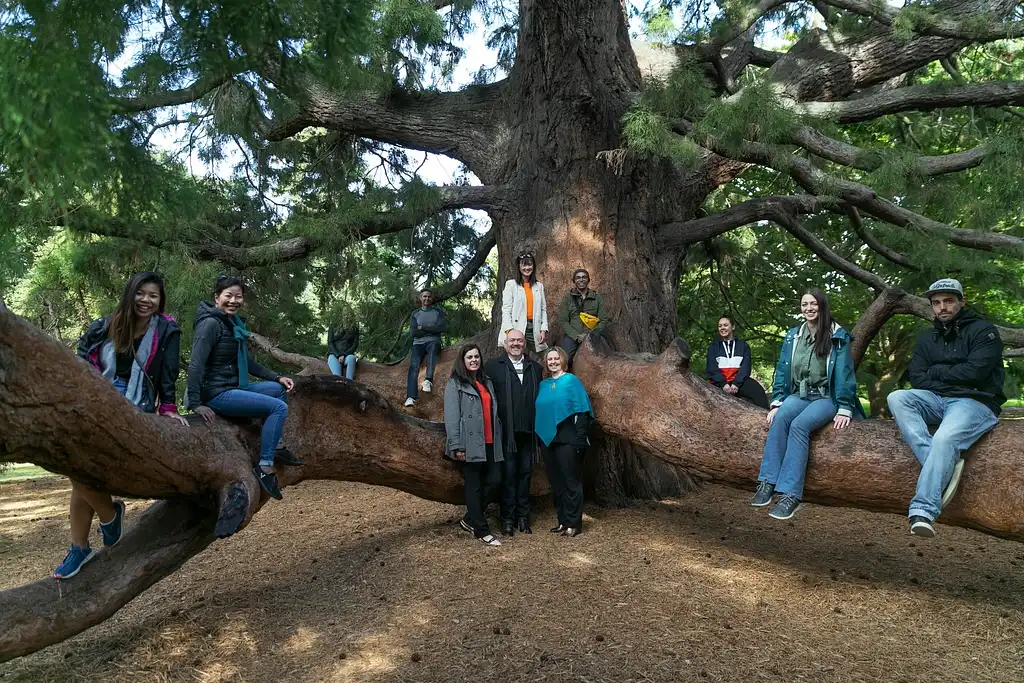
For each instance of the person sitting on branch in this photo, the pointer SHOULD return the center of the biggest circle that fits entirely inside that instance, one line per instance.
(426, 324)
(135, 348)
(815, 384)
(728, 366)
(581, 313)
(342, 343)
(956, 375)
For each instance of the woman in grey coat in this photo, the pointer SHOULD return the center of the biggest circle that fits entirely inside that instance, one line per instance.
(474, 437)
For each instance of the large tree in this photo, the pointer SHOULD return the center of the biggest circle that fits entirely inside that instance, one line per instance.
(591, 150)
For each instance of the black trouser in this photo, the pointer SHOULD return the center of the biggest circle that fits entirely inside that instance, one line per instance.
(515, 487)
(752, 391)
(481, 480)
(565, 473)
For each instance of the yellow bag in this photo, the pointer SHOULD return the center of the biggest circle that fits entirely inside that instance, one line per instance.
(590, 321)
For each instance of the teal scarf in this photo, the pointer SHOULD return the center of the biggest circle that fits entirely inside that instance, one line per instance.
(241, 334)
(558, 399)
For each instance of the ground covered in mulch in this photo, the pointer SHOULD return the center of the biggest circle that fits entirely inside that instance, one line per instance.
(345, 582)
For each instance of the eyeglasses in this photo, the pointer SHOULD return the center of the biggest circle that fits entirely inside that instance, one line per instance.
(524, 256)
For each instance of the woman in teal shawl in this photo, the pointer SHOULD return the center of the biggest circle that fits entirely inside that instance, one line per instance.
(562, 423)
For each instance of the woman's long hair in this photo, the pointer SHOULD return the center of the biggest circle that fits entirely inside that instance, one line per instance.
(460, 373)
(124, 318)
(823, 329)
(526, 257)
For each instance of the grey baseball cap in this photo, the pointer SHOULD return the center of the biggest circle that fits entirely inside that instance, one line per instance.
(946, 284)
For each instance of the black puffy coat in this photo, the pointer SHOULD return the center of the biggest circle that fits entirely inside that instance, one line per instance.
(213, 367)
(963, 359)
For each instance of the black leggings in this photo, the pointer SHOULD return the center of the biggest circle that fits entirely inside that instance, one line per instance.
(564, 463)
(481, 479)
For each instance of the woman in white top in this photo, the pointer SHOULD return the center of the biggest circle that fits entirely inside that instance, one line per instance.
(523, 306)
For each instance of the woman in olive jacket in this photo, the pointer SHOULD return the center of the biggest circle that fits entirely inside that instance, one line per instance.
(474, 437)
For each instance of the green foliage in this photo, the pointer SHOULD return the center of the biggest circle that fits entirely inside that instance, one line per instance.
(647, 134)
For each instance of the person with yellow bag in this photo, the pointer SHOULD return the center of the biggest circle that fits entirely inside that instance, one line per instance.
(581, 313)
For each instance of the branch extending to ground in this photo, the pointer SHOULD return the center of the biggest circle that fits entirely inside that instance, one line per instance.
(845, 154)
(457, 285)
(280, 251)
(171, 98)
(979, 27)
(916, 98)
(683, 233)
(874, 243)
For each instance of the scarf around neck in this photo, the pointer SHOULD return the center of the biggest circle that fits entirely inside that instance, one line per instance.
(241, 334)
(147, 347)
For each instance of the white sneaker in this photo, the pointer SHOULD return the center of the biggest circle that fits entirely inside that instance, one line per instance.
(427, 386)
(410, 402)
(954, 482)
(490, 540)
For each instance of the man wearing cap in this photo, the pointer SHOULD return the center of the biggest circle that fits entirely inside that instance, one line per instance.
(581, 313)
(956, 372)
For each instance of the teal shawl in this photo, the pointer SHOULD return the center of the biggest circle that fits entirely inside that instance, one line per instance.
(241, 334)
(558, 399)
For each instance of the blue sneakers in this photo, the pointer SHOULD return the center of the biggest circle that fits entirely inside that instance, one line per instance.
(73, 563)
(112, 530)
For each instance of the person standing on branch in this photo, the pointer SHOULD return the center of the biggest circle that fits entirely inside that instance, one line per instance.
(956, 375)
(581, 313)
(135, 348)
(524, 306)
(427, 323)
(728, 366)
(516, 379)
(474, 437)
(564, 418)
(218, 378)
(814, 384)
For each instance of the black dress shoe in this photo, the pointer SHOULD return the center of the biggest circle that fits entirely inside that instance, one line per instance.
(572, 531)
(557, 529)
(507, 530)
(524, 526)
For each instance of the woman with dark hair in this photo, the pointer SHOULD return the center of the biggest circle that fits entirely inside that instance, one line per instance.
(218, 378)
(342, 343)
(815, 384)
(524, 306)
(563, 421)
(474, 437)
(728, 366)
(136, 349)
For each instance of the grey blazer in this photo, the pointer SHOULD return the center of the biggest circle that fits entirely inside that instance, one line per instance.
(464, 422)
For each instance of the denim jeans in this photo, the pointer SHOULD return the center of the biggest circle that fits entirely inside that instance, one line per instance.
(264, 400)
(961, 422)
(419, 352)
(784, 462)
(350, 365)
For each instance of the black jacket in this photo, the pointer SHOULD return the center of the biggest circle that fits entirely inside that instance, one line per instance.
(213, 367)
(163, 368)
(503, 377)
(961, 359)
(343, 341)
(717, 348)
(575, 430)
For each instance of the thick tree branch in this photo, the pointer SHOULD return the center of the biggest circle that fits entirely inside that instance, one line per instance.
(681, 234)
(916, 98)
(456, 286)
(980, 27)
(281, 251)
(171, 98)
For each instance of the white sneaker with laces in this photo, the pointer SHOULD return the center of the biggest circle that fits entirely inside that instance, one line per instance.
(490, 540)
(410, 402)
(427, 386)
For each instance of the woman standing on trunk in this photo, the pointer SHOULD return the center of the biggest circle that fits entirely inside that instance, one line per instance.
(135, 348)
(218, 378)
(474, 437)
(524, 306)
(563, 422)
(815, 384)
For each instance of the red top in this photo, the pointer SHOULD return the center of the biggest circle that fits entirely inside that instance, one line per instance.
(485, 399)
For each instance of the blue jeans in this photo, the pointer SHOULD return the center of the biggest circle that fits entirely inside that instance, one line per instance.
(350, 365)
(419, 352)
(961, 422)
(264, 400)
(784, 462)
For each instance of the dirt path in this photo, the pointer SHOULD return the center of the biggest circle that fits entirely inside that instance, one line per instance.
(343, 582)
